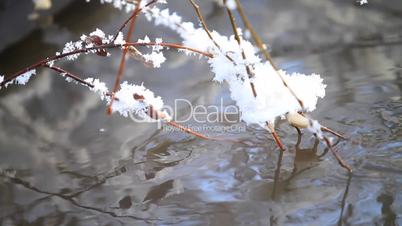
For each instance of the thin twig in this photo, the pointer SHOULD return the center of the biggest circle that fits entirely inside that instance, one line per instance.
(262, 47)
(326, 129)
(205, 27)
(129, 19)
(337, 156)
(203, 23)
(44, 62)
(70, 75)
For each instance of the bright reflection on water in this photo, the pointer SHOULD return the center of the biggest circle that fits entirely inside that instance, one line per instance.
(65, 162)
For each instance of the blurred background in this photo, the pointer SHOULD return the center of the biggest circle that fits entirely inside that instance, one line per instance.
(65, 162)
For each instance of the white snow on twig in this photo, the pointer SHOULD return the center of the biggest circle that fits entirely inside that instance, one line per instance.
(120, 39)
(95, 38)
(99, 87)
(131, 99)
(24, 78)
(136, 99)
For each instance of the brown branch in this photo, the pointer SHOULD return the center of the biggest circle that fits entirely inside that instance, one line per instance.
(337, 156)
(44, 62)
(129, 19)
(326, 129)
(70, 75)
(120, 72)
(205, 27)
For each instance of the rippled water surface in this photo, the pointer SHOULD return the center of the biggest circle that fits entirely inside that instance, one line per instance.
(64, 162)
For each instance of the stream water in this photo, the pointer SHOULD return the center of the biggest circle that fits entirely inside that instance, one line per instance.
(65, 162)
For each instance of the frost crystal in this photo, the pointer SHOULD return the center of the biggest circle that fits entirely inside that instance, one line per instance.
(24, 78)
(98, 32)
(145, 40)
(71, 47)
(120, 39)
(156, 58)
(315, 128)
(136, 99)
(99, 87)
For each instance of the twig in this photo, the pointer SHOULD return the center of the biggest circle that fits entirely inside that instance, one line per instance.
(338, 158)
(120, 72)
(205, 27)
(203, 23)
(129, 19)
(70, 75)
(262, 47)
(44, 62)
(326, 129)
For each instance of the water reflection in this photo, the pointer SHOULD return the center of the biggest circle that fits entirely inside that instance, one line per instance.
(342, 218)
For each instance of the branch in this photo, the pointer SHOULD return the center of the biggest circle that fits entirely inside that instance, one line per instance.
(44, 62)
(129, 19)
(120, 72)
(205, 27)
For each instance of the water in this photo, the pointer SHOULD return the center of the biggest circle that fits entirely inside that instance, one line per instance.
(64, 162)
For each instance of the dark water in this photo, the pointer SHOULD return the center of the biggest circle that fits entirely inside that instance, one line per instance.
(64, 162)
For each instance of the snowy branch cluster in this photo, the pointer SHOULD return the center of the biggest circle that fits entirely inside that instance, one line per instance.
(239, 66)
(273, 97)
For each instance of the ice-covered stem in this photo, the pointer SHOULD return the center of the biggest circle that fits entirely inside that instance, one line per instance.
(263, 49)
(250, 74)
(120, 72)
(46, 61)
